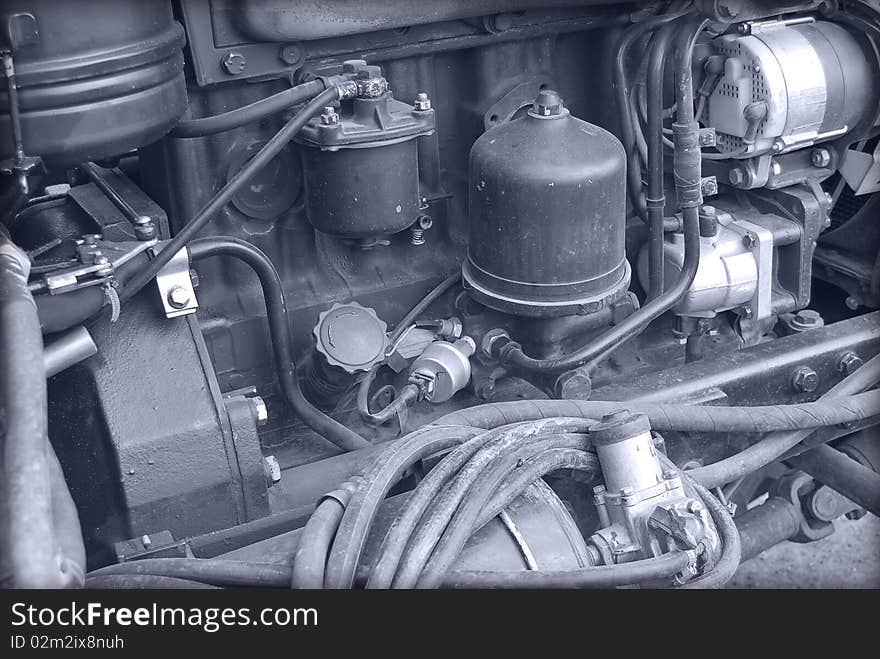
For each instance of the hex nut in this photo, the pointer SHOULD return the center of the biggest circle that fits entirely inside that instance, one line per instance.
(489, 339)
(737, 177)
(422, 102)
(234, 63)
(805, 380)
(849, 363)
(178, 297)
(261, 412)
(272, 469)
(820, 157)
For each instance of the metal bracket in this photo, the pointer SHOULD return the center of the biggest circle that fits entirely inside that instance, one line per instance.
(175, 285)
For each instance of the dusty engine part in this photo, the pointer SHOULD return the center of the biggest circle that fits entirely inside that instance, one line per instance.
(360, 163)
(547, 211)
(370, 322)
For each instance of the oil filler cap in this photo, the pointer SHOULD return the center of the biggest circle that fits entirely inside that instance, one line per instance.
(618, 427)
(351, 337)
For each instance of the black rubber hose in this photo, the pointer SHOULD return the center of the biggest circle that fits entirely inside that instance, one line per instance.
(29, 538)
(656, 198)
(463, 522)
(143, 582)
(310, 559)
(491, 445)
(377, 481)
(248, 114)
(363, 395)
(682, 417)
(212, 571)
(621, 91)
(731, 547)
(773, 447)
(402, 528)
(279, 331)
(630, 326)
(842, 474)
(603, 576)
(531, 471)
(382, 572)
(271, 149)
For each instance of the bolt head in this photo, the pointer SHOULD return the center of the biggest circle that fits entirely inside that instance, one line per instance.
(261, 412)
(234, 63)
(422, 102)
(737, 177)
(709, 186)
(820, 157)
(272, 469)
(808, 318)
(747, 312)
(178, 297)
(548, 103)
(291, 55)
(849, 363)
(749, 240)
(329, 116)
(805, 380)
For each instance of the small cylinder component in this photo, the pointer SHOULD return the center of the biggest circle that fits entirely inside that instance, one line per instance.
(790, 84)
(443, 369)
(626, 452)
(360, 162)
(547, 212)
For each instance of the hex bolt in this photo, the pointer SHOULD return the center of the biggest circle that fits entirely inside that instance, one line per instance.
(849, 363)
(807, 319)
(852, 303)
(178, 297)
(820, 157)
(291, 54)
(709, 186)
(707, 137)
(234, 63)
(749, 240)
(144, 227)
(261, 412)
(805, 380)
(737, 177)
(272, 470)
(422, 102)
(329, 117)
(747, 312)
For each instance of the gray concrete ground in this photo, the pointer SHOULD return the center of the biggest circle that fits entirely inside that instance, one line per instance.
(849, 558)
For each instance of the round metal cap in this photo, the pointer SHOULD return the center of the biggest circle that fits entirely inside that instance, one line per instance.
(548, 103)
(351, 337)
(619, 426)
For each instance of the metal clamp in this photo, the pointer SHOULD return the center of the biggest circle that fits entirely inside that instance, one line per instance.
(175, 285)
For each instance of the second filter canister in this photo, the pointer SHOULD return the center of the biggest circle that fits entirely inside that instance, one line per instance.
(547, 207)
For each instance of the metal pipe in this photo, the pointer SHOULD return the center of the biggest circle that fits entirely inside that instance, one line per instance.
(765, 526)
(841, 473)
(70, 348)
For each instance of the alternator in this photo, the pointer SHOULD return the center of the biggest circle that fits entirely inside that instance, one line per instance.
(788, 84)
